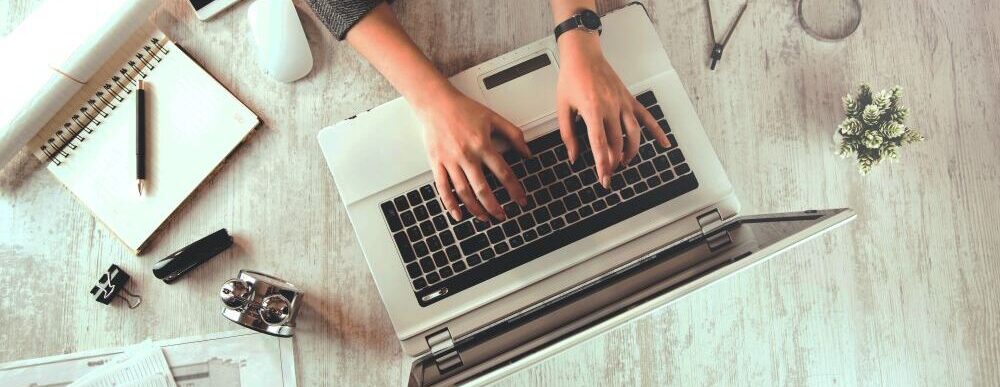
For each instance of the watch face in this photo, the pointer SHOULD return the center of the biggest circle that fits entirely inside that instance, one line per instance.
(591, 20)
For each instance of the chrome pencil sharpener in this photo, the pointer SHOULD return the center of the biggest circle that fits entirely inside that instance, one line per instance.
(261, 302)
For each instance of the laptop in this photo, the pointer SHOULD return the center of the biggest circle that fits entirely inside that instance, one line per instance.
(472, 301)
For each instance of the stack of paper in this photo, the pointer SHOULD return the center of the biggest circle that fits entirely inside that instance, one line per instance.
(140, 366)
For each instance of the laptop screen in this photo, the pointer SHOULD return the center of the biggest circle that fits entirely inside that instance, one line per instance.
(627, 292)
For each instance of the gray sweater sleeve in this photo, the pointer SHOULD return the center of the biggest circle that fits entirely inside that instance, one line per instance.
(340, 15)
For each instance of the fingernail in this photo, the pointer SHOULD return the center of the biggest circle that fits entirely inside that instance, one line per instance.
(606, 182)
(456, 214)
(482, 218)
(522, 202)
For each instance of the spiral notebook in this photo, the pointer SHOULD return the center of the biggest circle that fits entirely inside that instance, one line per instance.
(192, 124)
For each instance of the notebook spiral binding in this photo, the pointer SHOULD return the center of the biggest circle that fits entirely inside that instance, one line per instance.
(90, 115)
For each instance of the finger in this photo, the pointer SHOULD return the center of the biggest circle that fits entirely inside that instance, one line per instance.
(513, 133)
(481, 189)
(506, 176)
(632, 137)
(599, 145)
(466, 193)
(613, 126)
(448, 199)
(565, 114)
(652, 127)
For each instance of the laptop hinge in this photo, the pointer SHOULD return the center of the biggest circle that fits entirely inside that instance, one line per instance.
(443, 351)
(710, 222)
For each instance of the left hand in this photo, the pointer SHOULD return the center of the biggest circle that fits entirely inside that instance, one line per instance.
(590, 88)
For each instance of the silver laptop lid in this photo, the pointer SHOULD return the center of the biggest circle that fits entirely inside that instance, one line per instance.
(618, 296)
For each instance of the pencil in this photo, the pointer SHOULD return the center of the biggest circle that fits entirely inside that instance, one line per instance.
(140, 136)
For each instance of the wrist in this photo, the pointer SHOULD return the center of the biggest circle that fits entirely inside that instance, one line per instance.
(579, 44)
(432, 93)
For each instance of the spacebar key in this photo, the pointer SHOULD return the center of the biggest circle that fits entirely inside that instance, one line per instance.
(474, 244)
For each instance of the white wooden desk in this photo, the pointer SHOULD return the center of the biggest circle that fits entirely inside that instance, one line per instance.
(905, 295)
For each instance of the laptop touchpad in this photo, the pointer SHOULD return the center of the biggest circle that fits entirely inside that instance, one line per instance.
(524, 91)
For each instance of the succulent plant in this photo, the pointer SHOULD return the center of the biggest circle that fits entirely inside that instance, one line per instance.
(874, 128)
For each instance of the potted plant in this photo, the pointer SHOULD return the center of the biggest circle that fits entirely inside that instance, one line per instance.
(874, 129)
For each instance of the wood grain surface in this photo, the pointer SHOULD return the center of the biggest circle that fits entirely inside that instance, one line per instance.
(905, 295)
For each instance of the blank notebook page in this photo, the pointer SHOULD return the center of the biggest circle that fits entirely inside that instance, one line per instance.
(192, 124)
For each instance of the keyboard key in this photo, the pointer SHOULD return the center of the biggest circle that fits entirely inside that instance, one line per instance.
(572, 217)
(631, 176)
(627, 193)
(585, 211)
(529, 236)
(557, 208)
(640, 187)
(427, 264)
(646, 169)
(526, 221)
(664, 126)
(474, 244)
(542, 197)
(439, 222)
(452, 253)
(666, 175)
(531, 183)
(672, 140)
(599, 205)
(587, 195)
(458, 266)
(487, 254)
(600, 190)
(445, 272)
(647, 152)
(413, 233)
(653, 181)
(656, 112)
(547, 177)
(541, 215)
(588, 177)
(408, 218)
(617, 182)
(474, 260)
(414, 198)
(682, 169)
(510, 228)
(495, 234)
(676, 157)
(501, 248)
(519, 170)
(401, 203)
(464, 230)
(646, 99)
(413, 269)
(511, 209)
(532, 165)
(561, 152)
(427, 192)
(446, 238)
(516, 241)
(421, 249)
(660, 163)
(578, 166)
(557, 223)
(557, 190)
(544, 229)
(420, 212)
(562, 170)
(433, 278)
(403, 245)
(433, 243)
(434, 207)
(440, 259)
(419, 283)
(480, 225)
(573, 183)
(548, 159)
(391, 216)
(612, 200)
(427, 228)
(571, 202)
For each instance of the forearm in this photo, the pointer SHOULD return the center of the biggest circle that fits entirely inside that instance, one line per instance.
(381, 40)
(575, 44)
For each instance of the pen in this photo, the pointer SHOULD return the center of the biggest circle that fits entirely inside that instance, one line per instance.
(140, 135)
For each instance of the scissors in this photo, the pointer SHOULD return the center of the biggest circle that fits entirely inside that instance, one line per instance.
(718, 47)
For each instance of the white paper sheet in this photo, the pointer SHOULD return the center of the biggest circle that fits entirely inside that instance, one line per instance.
(140, 365)
(231, 359)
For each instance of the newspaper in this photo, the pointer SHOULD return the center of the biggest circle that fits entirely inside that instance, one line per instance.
(231, 359)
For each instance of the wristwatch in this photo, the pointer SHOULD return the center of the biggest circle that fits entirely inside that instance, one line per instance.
(586, 19)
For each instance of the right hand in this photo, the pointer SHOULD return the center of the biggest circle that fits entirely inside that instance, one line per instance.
(457, 135)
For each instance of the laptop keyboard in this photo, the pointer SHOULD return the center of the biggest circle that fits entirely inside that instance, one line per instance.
(566, 203)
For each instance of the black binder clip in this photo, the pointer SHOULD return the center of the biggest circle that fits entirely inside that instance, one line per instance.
(110, 284)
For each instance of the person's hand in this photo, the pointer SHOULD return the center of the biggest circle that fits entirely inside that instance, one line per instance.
(590, 88)
(457, 135)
